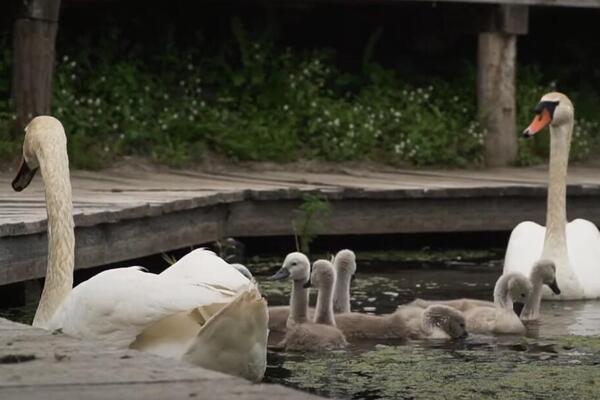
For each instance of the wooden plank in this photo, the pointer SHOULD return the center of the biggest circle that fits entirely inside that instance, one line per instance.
(108, 243)
(130, 217)
(55, 366)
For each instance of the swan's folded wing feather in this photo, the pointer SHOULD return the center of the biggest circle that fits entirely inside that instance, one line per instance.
(524, 247)
(583, 242)
(117, 305)
(204, 266)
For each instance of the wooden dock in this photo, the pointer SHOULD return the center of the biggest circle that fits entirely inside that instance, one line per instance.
(36, 364)
(122, 214)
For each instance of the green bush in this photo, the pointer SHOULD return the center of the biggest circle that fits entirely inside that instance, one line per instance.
(252, 100)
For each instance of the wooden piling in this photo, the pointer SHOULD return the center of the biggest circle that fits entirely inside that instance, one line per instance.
(33, 59)
(496, 65)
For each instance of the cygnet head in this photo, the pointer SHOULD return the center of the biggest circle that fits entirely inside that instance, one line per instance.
(322, 275)
(545, 271)
(519, 289)
(296, 267)
(444, 320)
(345, 263)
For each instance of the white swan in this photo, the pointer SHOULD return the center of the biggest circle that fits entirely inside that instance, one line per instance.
(302, 334)
(574, 247)
(201, 309)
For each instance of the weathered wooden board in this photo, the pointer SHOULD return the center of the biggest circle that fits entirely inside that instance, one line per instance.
(54, 366)
(125, 214)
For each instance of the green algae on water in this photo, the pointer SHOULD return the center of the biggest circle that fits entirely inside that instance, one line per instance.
(538, 371)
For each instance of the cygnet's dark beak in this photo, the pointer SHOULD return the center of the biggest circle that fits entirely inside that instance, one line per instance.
(307, 284)
(554, 287)
(518, 307)
(282, 274)
(464, 335)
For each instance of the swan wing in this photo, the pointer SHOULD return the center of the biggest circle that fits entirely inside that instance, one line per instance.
(583, 243)
(524, 247)
(234, 339)
(117, 305)
(204, 266)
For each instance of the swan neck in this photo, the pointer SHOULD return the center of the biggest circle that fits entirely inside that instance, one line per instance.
(341, 297)
(501, 298)
(54, 168)
(324, 308)
(555, 242)
(531, 310)
(298, 303)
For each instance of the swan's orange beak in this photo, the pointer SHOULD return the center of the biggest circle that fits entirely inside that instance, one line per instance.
(540, 121)
(24, 176)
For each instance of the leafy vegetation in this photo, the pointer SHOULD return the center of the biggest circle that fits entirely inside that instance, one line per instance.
(250, 99)
(310, 217)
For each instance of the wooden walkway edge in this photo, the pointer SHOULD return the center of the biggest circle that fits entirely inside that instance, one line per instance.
(36, 364)
(123, 214)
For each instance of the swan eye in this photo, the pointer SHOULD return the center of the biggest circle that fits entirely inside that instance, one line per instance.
(462, 325)
(294, 263)
(523, 295)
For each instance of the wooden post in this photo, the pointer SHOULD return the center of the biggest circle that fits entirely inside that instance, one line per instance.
(35, 31)
(497, 54)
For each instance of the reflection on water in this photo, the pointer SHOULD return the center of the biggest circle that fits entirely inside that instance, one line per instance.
(570, 318)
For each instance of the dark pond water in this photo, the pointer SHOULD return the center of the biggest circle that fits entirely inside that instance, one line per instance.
(562, 352)
(559, 359)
